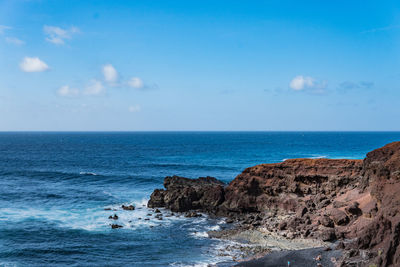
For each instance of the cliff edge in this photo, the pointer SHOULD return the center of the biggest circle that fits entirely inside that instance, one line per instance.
(353, 202)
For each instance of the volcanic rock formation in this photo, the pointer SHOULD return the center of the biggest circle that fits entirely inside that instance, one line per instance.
(357, 201)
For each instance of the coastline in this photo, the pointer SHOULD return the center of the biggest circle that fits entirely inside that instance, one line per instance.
(302, 207)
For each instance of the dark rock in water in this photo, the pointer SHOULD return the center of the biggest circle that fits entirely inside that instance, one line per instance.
(130, 207)
(107, 209)
(115, 217)
(147, 219)
(116, 226)
(157, 211)
(228, 220)
(192, 214)
(184, 194)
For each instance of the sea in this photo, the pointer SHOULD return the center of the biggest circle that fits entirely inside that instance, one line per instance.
(57, 190)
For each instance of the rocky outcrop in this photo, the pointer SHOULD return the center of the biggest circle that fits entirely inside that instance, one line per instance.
(357, 201)
(183, 194)
(382, 179)
(282, 185)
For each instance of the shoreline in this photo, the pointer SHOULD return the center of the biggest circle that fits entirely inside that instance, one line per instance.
(351, 203)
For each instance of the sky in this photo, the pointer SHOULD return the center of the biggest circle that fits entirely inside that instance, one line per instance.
(199, 65)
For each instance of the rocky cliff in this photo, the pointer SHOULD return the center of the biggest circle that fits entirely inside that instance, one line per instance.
(355, 201)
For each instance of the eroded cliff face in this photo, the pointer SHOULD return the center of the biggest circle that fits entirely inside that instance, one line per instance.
(327, 199)
(382, 179)
(289, 184)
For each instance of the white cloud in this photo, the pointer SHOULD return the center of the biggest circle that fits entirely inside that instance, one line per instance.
(33, 64)
(134, 108)
(3, 28)
(57, 35)
(68, 91)
(94, 88)
(136, 82)
(110, 73)
(300, 83)
(15, 41)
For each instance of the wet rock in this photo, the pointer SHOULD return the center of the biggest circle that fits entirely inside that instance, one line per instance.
(184, 194)
(130, 207)
(107, 209)
(116, 226)
(157, 211)
(192, 214)
(115, 217)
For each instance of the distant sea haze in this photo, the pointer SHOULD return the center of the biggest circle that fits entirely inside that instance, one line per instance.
(57, 190)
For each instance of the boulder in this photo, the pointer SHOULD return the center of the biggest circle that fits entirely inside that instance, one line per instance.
(184, 194)
(130, 207)
(326, 221)
(116, 226)
(354, 209)
(326, 234)
(339, 217)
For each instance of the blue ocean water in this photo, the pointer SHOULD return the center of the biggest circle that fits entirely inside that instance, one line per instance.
(54, 188)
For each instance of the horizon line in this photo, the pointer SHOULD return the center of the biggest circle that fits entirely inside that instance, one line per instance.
(199, 131)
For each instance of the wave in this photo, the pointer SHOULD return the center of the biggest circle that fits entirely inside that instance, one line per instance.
(93, 219)
(318, 157)
(88, 173)
(307, 157)
(81, 176)
(183, 166)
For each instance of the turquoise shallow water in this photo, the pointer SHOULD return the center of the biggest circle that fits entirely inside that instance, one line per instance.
(54, 188)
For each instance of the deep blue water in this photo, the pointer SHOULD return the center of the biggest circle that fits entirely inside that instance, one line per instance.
(54, 188)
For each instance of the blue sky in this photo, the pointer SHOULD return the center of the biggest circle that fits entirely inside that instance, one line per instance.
(199, 65)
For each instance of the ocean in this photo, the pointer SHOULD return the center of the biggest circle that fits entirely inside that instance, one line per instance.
(55, 187)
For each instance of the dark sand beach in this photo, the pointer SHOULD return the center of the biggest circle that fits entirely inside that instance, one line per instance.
(300, 258)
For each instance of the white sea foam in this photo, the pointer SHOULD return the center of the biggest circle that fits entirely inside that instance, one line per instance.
(90, 219)
(318, 157)
(8, 264)
(177, 264)
(214, 228)
(199, 234)
(88, 173)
